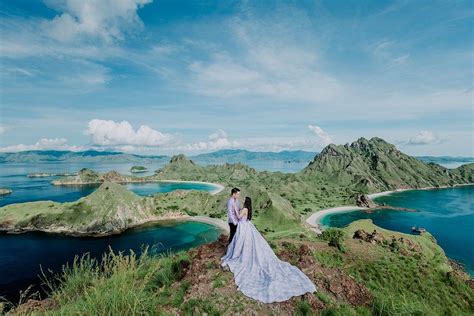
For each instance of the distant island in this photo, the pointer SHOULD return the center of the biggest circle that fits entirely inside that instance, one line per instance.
(138, 169)
(5, 191)
(46, 174)
(217, 157)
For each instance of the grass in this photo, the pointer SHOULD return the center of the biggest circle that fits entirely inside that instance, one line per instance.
(345, 310)
(408, 284)
(199, 306)
(303, 308)
(330, 258)
(119, 284)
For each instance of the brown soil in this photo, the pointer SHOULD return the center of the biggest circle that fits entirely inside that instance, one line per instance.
(205, 272)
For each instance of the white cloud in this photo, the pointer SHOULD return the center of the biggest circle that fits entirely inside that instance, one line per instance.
(220, 133)
(2, 129)
(322, 137)
(110, 133)
(268, 63)
(390, 53)
(217, 140)
(424, 138)
(106, 20)
(44, 144)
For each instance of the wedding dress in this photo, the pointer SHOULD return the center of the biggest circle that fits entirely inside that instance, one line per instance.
(258, 272)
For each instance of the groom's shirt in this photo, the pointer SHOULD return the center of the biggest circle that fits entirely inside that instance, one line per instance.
(233, 206)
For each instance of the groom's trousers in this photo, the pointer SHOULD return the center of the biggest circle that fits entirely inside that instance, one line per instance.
(233, 228)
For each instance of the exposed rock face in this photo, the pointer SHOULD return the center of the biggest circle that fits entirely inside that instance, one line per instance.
(373, 238)
(403, 245)
(364, 201)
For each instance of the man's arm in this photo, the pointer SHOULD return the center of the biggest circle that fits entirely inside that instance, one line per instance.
(231, 208)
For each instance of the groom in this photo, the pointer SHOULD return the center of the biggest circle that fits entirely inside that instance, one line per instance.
(233, 206)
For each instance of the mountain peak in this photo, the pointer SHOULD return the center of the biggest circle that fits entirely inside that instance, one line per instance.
(375, 164)
(181, 158)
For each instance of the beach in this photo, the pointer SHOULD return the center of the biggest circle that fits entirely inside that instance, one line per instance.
(209, 220)
(314, 220)
(218, 187)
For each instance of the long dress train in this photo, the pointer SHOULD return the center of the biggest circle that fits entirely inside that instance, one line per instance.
(258, 272)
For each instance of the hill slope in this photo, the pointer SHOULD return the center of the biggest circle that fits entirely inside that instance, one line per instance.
(375, 165)
(109, 210)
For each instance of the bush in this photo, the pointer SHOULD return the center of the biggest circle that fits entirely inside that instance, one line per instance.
(335, 237)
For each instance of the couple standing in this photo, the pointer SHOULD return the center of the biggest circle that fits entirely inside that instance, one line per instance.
(257, 271)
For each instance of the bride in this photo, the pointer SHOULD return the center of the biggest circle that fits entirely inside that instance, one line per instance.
(257, 271)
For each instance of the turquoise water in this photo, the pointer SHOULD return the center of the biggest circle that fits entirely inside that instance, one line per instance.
(21, 255)
(163, 187)
(14, 176)
(448, 214)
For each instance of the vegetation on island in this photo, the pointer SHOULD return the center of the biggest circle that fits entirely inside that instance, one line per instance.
(138, 169)
(391, 274)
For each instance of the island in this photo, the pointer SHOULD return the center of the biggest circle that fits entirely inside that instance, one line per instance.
(46, 174)
(138, 169)
(5, 191)
(361, 269)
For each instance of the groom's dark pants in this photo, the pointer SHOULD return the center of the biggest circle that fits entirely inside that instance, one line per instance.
(233, 228)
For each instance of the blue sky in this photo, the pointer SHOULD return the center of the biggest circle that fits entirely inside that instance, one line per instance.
(173, 76)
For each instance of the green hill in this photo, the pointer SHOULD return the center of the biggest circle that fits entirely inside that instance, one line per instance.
(108, 210)
(375, 165)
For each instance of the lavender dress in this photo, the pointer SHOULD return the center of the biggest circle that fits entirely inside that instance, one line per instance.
(258, 272)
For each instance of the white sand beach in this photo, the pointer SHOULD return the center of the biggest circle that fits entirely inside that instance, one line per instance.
(314, 220)
(218, 187)
(209, 220)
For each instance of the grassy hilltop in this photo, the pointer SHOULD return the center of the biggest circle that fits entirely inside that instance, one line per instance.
(357, 271)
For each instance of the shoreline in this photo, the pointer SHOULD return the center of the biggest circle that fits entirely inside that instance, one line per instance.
(315, 218)
(175, 217)
(217, 187)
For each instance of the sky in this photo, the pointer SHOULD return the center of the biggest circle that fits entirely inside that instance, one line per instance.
(172, 76)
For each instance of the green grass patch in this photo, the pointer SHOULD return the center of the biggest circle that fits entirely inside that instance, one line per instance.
(119, 284)
(330, 258)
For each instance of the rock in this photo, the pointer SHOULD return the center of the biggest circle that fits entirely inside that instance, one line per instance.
(374, 237)
(35, 306)
(5, 191)
(364, 201)
(360, 234)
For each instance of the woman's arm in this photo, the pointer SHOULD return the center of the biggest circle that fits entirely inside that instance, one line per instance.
(242, 213)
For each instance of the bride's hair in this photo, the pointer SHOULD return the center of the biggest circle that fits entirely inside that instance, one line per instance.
(248, 205)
